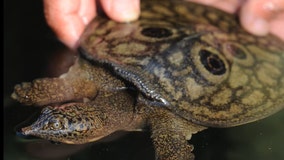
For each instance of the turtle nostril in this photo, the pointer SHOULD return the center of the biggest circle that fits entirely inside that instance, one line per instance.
(23, 129)
(23, 134)
(20, 133)
(19, 129)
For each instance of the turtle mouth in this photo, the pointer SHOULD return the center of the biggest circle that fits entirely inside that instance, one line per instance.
(19, 127)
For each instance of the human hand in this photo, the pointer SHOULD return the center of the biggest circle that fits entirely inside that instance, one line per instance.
(258, 17)
(68, 20)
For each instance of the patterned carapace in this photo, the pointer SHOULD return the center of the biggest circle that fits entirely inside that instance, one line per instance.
(195, 60)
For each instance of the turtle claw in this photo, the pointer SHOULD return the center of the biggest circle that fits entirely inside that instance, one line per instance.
(39, 92)
(22, 93)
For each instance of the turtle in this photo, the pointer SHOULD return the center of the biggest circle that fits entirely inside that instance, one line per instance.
(180, 68)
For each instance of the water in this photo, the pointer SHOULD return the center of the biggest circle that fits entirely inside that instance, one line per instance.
(29, 52)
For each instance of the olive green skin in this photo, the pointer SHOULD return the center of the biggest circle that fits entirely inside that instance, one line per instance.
(196, 61)
(180, 68)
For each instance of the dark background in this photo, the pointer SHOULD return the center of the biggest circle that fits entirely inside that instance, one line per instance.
(31, 50)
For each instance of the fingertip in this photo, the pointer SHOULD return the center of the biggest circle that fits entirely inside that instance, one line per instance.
(69, 33)
(87, 11)
(277, 25)
(68, 20)
(122, 10)
(253, 23)
(70, 43)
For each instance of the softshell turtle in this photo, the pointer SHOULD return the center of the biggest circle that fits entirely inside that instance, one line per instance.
(180, 68)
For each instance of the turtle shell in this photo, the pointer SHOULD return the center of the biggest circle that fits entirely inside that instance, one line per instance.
(194, 60)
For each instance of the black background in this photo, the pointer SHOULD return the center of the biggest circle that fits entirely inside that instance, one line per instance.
(31, 49)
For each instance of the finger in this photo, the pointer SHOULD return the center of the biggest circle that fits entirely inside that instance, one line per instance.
(68, 20)
(260, 16)
(122, 10)
(230, 6)
(277, 26)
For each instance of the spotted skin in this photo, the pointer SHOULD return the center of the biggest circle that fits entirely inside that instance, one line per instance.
(180, 68)
(196, 61)
(64, 124)
(79, 123)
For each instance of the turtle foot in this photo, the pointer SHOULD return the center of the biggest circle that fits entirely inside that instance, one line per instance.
(38, 92)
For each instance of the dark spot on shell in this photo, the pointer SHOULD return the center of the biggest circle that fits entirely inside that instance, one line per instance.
(212, 62)
(156, 32)
(236, 51)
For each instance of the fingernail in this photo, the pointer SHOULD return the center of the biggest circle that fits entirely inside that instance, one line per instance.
(126, 10)
(256, 25)
(260, 26)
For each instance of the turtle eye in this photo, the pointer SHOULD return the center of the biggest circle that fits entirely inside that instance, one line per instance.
(56, 125)
(212, 62)
(155, 32)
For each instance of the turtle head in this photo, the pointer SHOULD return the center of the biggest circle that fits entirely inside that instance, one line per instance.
(73, 123)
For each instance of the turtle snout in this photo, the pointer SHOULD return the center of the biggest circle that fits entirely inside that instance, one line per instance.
(26, 131)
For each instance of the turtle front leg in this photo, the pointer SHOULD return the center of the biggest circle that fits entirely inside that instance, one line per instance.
(170, 134)
(77, 83)
(171, 146)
